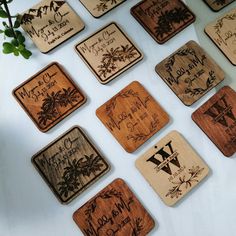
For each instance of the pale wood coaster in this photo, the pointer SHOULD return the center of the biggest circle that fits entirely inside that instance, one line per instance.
(190, 72)
(114, 211)
(108, 53)
(49, 96)
(132, 116)
(163, 19)
(70, 164)
(98, 8)
(223, 33)
(50, 23)
(217, 5)
(172, 168)
(217, 119)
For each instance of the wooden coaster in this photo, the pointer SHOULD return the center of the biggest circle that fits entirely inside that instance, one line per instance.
(190, 72)
(114, 211)
(70, 164)
(50, 23)
(98, 8)
(163, 19)
(222, 32)
(217, 118)
(49, 96)
(217, 5)
(108, 53)
(172, 168)
(132, 116)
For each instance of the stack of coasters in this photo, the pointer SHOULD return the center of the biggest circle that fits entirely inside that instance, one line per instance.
(132, 116)
(114, 211)
(222, 32)
(217, 118)
(218, 5)
(50, 23)
(70, 164)
(163, 19)
(49, 96)
(190, 72)
(108, 53)
(172, 168)
(98, 8)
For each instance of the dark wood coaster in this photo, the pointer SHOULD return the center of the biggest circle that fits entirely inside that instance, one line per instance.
(132, 116)
(217, 118)
(217, 5)
(70, 164)
(49, 96)
(108, 53)
(163, 19)
(50, 23)
(98, 8)
(114, 211)
(222, 32)
(190, 72)
(172, 168)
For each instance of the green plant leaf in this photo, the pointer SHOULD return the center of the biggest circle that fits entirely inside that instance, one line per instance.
(21, 47)
(3, 14)
(17, 24)
(5, 24)
(16, 53)
(8, 48)
(1, 31)
(15, 42)
(26, 53)
(21, 39)
(9, 33)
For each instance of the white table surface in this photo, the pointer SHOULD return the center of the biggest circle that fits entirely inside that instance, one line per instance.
(27, 205)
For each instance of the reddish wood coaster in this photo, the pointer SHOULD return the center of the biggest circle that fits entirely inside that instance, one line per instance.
(70, 164)
(190, 72)
(217, 5)
(163, 19)
(217, 118)
(49, 96)
(132, 116)
(114, 211)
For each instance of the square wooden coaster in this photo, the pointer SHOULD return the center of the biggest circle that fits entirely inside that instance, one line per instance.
(50, 23)
(217, 5)
(49, 96)
(114, 211)
(70, 164)
(222, 32)
(108, 53)
(217, 119)
(190, 72)
(132, 116)
(163, 19)
(172, 168)
(98, 8)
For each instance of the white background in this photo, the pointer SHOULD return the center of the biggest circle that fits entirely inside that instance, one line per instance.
(27, 205)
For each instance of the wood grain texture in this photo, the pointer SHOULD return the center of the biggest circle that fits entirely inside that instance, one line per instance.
(70, 164)
(222, 32)
(172, 168)
(114, 211)
(217, 5)
(108, 53)
(163, 19)
(50, 23)
(132, 116)
(98, 8)
(49, 96)
(190, 72)
(217, 118)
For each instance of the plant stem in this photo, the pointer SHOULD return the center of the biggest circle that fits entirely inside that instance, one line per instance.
(9, 17)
